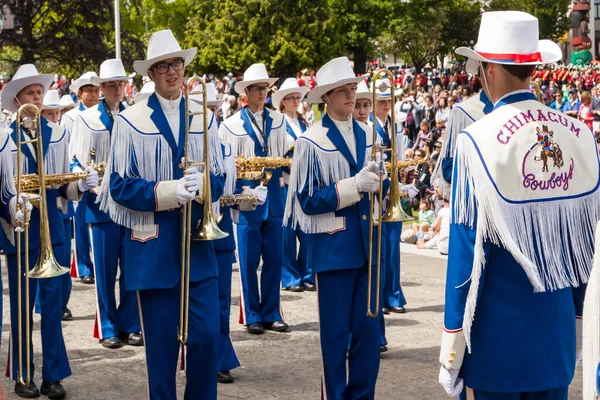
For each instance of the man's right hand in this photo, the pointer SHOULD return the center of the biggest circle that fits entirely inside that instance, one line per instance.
(450, 381)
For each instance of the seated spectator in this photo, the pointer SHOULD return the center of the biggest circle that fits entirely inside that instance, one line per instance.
(441, 231)
(426, 219)
(423, 136)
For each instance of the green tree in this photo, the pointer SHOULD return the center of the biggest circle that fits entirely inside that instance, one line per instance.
(285, 36)
(553, 16)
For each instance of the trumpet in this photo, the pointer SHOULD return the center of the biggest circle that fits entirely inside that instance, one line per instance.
(208, 230)
(394, 212)
(234, 199)
(29, 117)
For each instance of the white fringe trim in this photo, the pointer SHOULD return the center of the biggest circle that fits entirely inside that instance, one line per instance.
(326, 167)
(529, 231)
(151, 156)
(243, 145)
(83, 139)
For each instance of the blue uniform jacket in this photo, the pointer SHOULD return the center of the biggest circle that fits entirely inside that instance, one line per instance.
(347, 247)
(155, 258)
(52, 135)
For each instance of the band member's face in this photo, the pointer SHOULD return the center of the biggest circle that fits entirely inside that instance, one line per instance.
(51, 115)
(113, 91)
(89, 95)
(291, 101)
(167, 76)
(362, 110)
(343, 98)
(383, 108)
(33, 94)
(257, 94)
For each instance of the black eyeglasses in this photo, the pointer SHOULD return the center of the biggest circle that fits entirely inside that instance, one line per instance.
(163, 67)
(254, 88)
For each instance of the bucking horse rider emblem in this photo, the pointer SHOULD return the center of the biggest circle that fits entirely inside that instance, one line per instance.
(548, 149)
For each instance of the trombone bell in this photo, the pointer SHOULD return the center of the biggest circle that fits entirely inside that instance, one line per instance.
(47, 266)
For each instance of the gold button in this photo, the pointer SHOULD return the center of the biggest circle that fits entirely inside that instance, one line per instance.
(364, 217)
(362, 196)
(452, 354)
(451, 360)
(180, 166)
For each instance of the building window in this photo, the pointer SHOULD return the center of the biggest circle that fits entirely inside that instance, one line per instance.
(597, 11)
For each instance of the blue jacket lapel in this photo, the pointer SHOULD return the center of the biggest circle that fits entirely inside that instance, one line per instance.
(26, 149)
(361, 143)
(385, 139)
(268, 123)
(303, 126)
(105, 117)
(46, 136)
(258, 149)
(181, 143)
(338, 140)
(290, 131)
(160, 120)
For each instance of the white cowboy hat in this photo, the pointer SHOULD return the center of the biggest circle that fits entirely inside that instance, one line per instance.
(146, 91)
(335, 73)
(363, 92)
(83, 80)
(289, 86)
(26, 75)
(162, 46)
(67, 101)
(256, 73)
(211, 95)
(52, 101)
(110, 70)
(386, 93)
(511, 38)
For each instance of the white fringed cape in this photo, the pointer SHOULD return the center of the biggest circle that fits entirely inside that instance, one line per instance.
(147, 152)
(591, 326)
(316, 158)
(89, 133)
(559, 231)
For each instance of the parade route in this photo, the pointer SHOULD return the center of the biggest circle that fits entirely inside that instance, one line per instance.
(283, 366)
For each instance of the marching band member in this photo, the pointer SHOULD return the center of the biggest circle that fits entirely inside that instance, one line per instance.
(331, 179)
(296, 275)
(145, 186)
(89, 96)
(28, 86)
(393, 298)
(144, 93)
(92, 131)
(224, 248)
(256, 131)
(67, 103)
(51, 110)
(462, 115)
(591, 329)
(521, 236)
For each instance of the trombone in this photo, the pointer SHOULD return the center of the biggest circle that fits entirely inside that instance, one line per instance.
(394, 212)
(46, 266)
(208, 229)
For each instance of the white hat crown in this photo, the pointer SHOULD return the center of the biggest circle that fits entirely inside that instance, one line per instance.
(51, 99)
(335, 70)
(161, 43)
(256, 72)
(67, 100)
(289, 83)
(26, 75)
(83, 80)
(25, 71)
(520, 33)
(112, 68)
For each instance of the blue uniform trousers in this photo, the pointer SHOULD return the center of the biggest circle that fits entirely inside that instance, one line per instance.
(55, 364)
(82, 241)
(342, 311)
(256, 239)
(554, 394)
(392, 290)
(107, 239)
(228, 359)
(296, 269)
(67, 282)
(159, 314)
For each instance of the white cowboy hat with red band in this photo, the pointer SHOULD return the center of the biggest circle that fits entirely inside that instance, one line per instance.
(511, 38)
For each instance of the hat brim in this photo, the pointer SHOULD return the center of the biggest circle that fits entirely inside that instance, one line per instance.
(550, 52)
(143, 66)
(280, 94)
(79, 83)
(96, 81)
(212, 103)
(240, 87)
(12, 88)
(52, 107)
(315, 95)
(368, 96)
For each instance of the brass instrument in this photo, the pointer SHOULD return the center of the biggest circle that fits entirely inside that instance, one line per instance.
(234, 199)
(31, 182)
(29, 117)
(208, 229)
(257, 168)
(402, 165)
(394, 212)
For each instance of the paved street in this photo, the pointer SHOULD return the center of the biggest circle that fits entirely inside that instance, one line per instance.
(275, 365)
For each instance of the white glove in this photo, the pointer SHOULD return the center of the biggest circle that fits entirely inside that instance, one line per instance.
(17, 215)
(367, 179)
(261, 193)
(188, 186)
(578, 355)
(450, 381)
(90, 182)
